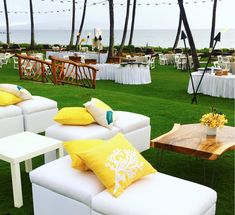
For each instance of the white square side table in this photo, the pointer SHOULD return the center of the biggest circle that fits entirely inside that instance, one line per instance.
(23, 147)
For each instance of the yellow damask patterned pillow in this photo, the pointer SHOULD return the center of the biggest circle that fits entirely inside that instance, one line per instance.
(117, 164)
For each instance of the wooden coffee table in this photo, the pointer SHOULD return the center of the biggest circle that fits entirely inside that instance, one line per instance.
(191, 139)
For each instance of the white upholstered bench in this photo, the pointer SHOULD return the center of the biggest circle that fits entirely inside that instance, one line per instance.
(33, 115)
(59, 189)
(38, 113)
(135, 127)
(11, 120)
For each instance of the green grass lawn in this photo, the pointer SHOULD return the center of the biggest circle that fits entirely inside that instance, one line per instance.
(165, 101)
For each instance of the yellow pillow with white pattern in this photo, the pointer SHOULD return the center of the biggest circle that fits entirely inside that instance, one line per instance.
(16, 90)
(77, 146)
(8, 99)
(116, 163)
(101, 112)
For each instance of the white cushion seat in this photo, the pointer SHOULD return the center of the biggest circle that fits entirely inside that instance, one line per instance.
(37, 104)
(135, 127)
(38, 113)
(158, 194)
(60, 177)
(11, 120)
(60, 189)
(92, 131)
(9, 111)
(128, 122)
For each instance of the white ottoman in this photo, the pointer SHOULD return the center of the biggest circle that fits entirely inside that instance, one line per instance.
(59, 189)
(67, 133)
(38, 113)
(135, 127)
(11, 120)
(158, 194)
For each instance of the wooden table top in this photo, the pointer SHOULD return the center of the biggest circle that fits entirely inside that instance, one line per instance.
(191, 139)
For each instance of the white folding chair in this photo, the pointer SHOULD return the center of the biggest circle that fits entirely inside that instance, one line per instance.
(3, 58)
(152, 62)
(162, 59)
(15, 62)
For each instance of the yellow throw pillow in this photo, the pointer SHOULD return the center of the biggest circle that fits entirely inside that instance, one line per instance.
(117, 164)
(16, 90)
(101, 112)
(74, 116)
(76, 146)
(8, 99)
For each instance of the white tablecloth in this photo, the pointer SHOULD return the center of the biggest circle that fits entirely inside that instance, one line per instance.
(106, 71)
(218, 86)
(100, 57)
(133, 74)
(129, 74)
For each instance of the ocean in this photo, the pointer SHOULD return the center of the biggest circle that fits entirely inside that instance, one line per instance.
(163, 38)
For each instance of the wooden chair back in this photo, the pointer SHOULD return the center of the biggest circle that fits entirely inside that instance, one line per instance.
(90, 61)
(76, 59)
(114, 60)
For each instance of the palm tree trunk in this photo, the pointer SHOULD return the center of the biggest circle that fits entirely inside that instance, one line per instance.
(7, 22)
(73, 26)
(213, 24)
(189, 34)
(82, 23)
(125, 27)
(133, 22)
(32, 43)
(178, 33)
(111, 29)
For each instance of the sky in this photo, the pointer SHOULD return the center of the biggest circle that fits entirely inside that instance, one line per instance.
(162, 16)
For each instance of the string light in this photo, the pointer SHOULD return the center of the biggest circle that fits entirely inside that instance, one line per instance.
(104, 2)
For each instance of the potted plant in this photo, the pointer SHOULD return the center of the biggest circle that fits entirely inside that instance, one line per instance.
(212, 121)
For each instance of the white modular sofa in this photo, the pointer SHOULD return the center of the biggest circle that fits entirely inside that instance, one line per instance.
(59, 189)
(38, 113)
(135, 127)
(11, 120)
(33, 115)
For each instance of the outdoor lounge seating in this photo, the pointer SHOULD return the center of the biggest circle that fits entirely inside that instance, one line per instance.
(60, 189)
(135, 127)
(38, 113)
(33, 115)
(11, 120)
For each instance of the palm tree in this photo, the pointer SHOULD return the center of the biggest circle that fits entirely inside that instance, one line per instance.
(82, 23)
(133, 22)
(111, 29)
(125, 27)
(178, 33)
(73, 25)
(7, 22)
(32, 43)
(189, 34)
(213, 24)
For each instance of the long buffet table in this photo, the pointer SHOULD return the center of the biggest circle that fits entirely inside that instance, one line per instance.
(218, 86)
(100, 57)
